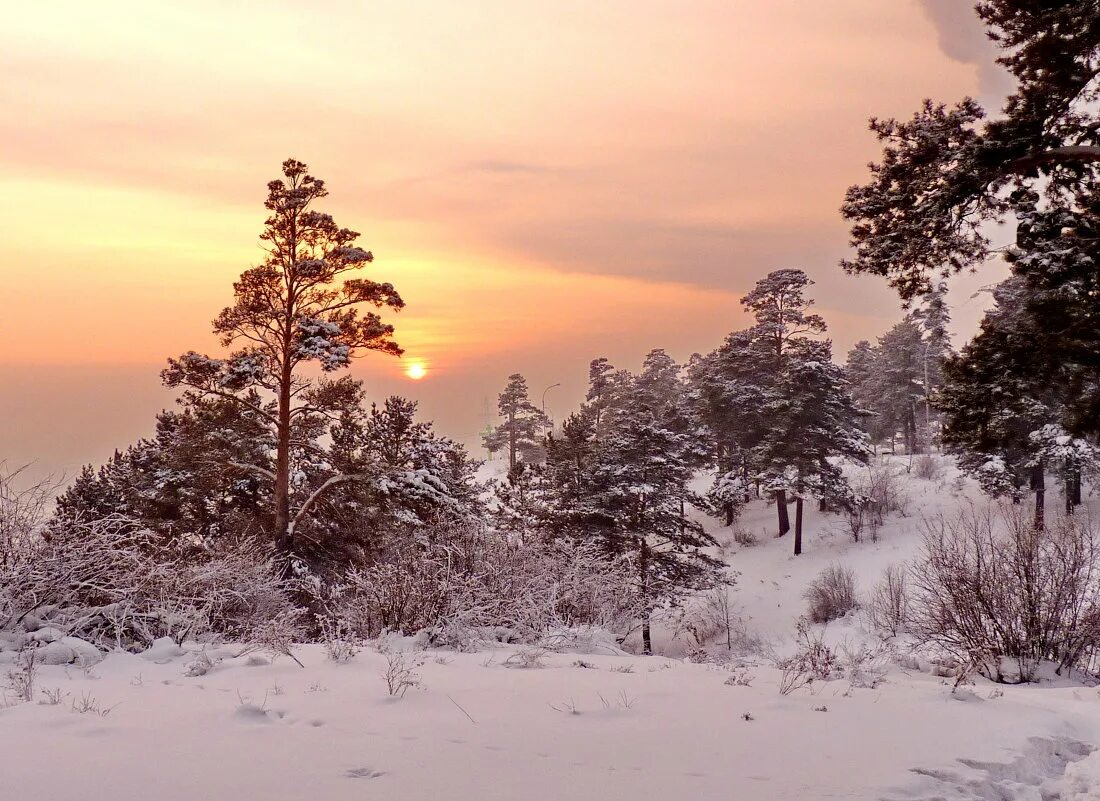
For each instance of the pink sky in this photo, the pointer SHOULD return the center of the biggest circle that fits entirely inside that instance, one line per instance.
(543, 182)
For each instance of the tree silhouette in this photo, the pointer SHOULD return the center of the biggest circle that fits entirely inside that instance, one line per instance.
(296, 307)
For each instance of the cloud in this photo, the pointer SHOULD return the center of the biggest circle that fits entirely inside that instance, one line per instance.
(962, 38)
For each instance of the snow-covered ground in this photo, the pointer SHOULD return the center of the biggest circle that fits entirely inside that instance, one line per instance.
(581, 726)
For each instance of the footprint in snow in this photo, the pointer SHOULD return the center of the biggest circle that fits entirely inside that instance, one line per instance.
(364, 773)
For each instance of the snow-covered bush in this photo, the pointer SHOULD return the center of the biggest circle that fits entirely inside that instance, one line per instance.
(21, 675)
(745, 537)
(813, 661)
(927, 467)
(113, 584)
(341, 641)
(887, 608)
(278, 635)
(863, 666)
(712, 617)
(831, 595)
(1001, 596)
(467, 583)
(876, 492)
(24, 510)
(527, 658)
(402, 665)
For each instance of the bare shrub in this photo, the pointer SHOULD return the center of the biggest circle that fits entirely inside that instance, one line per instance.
(527, 658)
(831, 595)
(887, 608)
(793, 675)
(566, 707)
(25, 506)
(1001, 596)
(53, 697)
(863, 666)
(278, 635)
(88, 704)
(876, 492)
(814, 660)
(341, 641)
(712, 621)
(745, 537)
(927, 467)
(114, 584)
(740, 677)
(22, 674)
(465, 582)
(402, 667)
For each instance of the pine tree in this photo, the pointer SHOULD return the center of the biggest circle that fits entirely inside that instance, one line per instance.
(814, 424)
(628, 486)
(998, 394)
(410, 479)
(289, 311)
(177, 483)
(522, 426)
(732, 394)
(899, 384)
(947, 173)
(862, 371)
(783, 321)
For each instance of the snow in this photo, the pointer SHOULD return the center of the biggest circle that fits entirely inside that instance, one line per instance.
(590, 723)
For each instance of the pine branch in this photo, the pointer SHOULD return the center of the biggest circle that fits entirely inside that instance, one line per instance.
(1054, 156)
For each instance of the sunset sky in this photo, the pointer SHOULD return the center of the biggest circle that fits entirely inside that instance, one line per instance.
(543, 182)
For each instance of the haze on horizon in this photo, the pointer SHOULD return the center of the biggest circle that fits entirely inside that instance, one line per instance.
(543, 183)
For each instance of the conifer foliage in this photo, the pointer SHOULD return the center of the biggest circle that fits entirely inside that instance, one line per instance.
(298, 306)
(779, 408)
(626, 483)
(522, 423)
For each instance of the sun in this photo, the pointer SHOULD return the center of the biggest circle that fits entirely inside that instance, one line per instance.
(416, 371)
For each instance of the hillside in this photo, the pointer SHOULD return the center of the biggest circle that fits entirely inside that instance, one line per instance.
(508, 723)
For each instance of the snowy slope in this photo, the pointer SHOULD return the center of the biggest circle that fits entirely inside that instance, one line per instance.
(668, 730)
(614, 727)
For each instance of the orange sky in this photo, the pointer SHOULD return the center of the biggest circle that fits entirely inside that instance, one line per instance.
(543, 182)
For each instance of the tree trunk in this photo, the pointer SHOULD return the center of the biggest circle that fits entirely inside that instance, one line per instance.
(781, 506)
(511, 442)
(1038, 486)
(798, 526)
(643, 569)
(284, 536)
(728, 508)
(1073, 489)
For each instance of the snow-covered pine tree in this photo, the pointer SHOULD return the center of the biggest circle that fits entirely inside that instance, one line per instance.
(635, 493)
(297, 307)
(783, 324)
(898, 383)
(731, 395)
(862, 372)
(994, 397)
(948, 172)
(411, 479)
(177, 484)
(814, 425)
(604, 381)
(520, 431)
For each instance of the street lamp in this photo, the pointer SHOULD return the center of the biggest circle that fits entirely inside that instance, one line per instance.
(544, 399)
